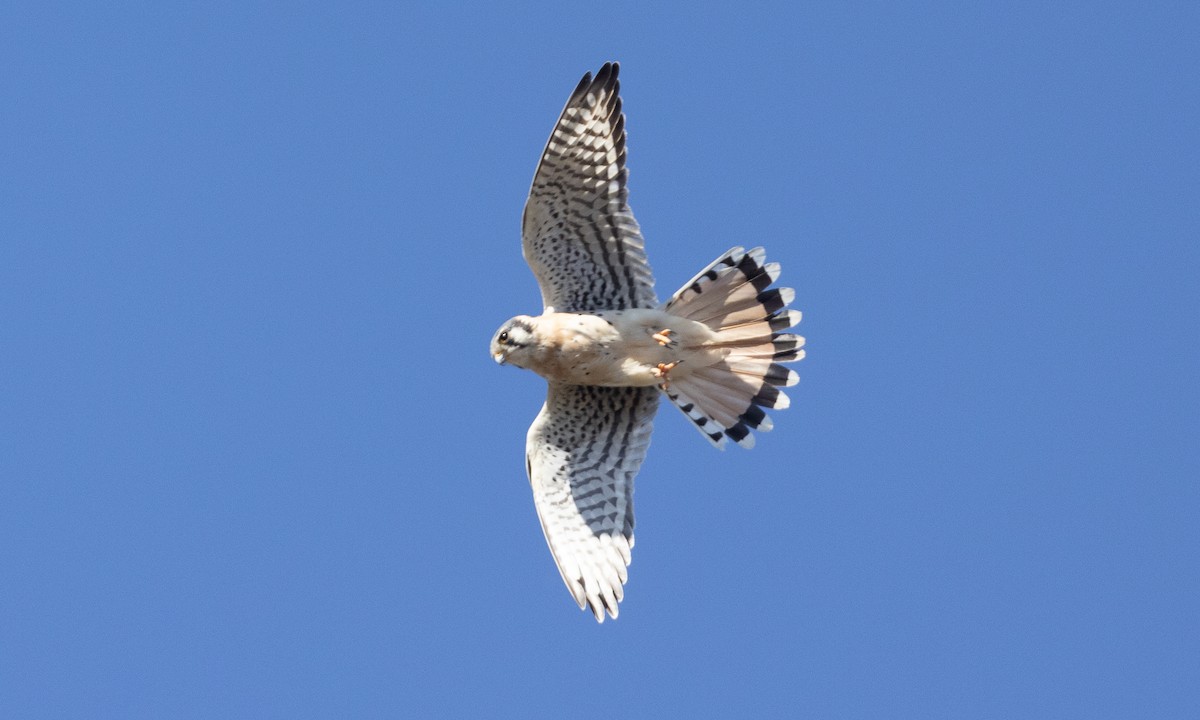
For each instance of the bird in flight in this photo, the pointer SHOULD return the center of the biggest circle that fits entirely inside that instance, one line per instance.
(608, 349)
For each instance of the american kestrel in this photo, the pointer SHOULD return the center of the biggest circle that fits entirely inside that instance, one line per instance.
(608, 348)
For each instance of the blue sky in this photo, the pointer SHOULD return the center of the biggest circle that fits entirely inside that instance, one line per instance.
(256, 462)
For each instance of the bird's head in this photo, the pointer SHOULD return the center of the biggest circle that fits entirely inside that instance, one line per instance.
(514, 341)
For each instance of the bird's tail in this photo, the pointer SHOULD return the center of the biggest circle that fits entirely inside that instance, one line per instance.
(733, 297)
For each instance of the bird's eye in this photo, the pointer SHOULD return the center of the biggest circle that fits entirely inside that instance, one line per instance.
(504, 336)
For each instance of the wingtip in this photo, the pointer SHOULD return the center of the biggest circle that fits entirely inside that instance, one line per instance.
(603, 606)
(583, 85)
(606, 74)
(576, 588)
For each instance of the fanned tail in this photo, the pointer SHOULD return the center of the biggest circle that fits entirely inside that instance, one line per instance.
(733, 296)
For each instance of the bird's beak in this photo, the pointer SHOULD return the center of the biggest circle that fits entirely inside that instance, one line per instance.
(498, 357)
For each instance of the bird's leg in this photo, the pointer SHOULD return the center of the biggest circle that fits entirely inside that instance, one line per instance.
(663, 337)
(662, 371)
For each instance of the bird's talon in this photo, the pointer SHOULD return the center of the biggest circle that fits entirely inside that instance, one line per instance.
(663, 337)
(662, 372)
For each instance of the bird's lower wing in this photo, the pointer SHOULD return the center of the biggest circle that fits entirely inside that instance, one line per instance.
(582, 453)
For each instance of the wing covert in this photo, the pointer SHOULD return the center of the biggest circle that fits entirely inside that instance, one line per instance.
(578, 233)
(582, 453)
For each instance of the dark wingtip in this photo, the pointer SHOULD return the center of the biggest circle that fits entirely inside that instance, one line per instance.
(605, 77)
(606, 74)
(583, 85)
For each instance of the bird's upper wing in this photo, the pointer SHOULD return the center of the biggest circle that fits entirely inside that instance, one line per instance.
(578, 232)
(582, 453)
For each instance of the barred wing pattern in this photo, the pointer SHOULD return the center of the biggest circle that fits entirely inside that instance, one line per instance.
(582, 453)
(578, 232)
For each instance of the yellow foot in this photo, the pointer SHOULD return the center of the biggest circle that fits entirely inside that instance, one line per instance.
(663, 337)
(662, 371)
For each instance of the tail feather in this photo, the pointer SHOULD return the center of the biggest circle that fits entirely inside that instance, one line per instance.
(787, 347)
(709, 429)
(726, 401)
(769, 371)
(772, 397)
(733, 296)
(774, 346)
(752, 262)
(759, 331)
(751, 283)
(755, 310)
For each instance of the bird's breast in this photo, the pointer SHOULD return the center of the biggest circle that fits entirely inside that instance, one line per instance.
(611, 348)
